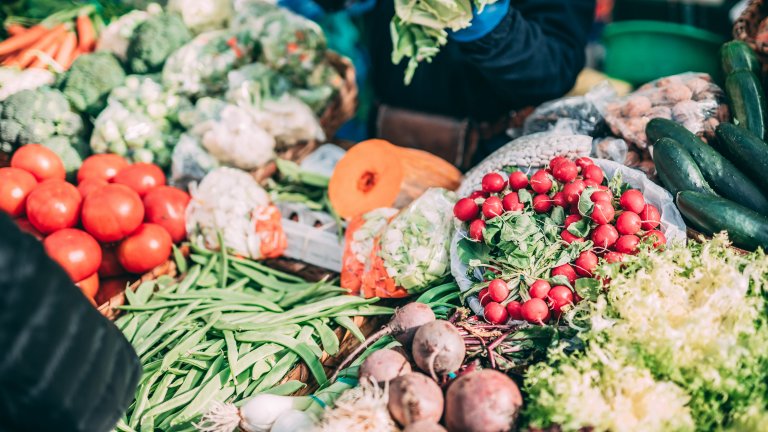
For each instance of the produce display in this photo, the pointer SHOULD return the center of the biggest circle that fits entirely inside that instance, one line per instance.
(605, 270)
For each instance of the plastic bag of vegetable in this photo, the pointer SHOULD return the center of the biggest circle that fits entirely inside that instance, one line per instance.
(154, 40)
(190, 162)
(691, 99)
(582, 114)
(202, 15)
(360, 240)
(229, 203)
(13, 80)
(117, 35)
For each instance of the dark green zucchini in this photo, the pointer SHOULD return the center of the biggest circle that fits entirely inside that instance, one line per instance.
(677, 169)
(747, 101)
(710, 215)
(747, 151)
(738, 56)
(718, 171)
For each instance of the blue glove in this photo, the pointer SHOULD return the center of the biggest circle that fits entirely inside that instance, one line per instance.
(483, 22)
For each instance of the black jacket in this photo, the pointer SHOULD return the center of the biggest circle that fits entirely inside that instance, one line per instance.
(534, 55)
(63, 366)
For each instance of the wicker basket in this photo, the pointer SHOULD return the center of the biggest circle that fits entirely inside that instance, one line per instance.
(746, 26)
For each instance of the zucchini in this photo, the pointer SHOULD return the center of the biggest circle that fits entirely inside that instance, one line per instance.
(747, 101)
(718, 171)
(747, 151)
(738, 56)
(677, 169)
(710, 215)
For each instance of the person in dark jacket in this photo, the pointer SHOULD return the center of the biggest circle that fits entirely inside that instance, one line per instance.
(516, 54)
(63, 366)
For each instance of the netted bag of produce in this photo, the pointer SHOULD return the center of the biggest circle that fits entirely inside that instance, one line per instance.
(362, 236)
(691, 99)
(578, 114)
(230, 206)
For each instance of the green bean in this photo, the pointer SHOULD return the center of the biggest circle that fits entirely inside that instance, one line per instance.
(241, 383)
(267, 270)
(123, 321)
(286, 388)
(268, 281)
(207, 280)
(215, 368)
(229, 339)
(237, 285)
(147, 327)
(190, 279)
(199, 259)
(121, 426)
(154, 305)
(259, 369)
(205, 394)
(162, 389)
(350, 325)
(144, 291)
(188, 343)
(172, 403)
(200, 250)
(147, 424)
(192, 379)
(131, 298)
(131, 327)
(302, 349)
(181, 262)
(212, 260)
(142, 399)
(255, 356)
(278, 371)
(173, 338)
(224, 261)
(327, 337)
(163, 329)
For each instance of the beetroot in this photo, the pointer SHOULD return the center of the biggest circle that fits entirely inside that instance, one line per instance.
(414, 397)
(384, 366)
(424, 426)
(482, 401)
(438, 348)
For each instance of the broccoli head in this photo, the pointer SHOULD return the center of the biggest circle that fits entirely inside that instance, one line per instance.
(154, 41)
(89, 81)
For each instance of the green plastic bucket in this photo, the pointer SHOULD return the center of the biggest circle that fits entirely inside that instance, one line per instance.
(642, 51)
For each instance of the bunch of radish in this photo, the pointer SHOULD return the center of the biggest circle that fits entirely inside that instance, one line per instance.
(617, 221)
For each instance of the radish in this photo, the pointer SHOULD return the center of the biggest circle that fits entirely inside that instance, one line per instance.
(628, 223)
(558, 199)
(415, 397)
(627, 244)
(402, 326)
(424, 426)
(539, 289)
(557, 160)
(614, 257)
(601, 195)
(542, 203)
(482, 401)
(493, 183)
(478, 194)
(560, 296)
(565, 172)
(584, 162)
(513, 310)
(572, 219)
(492, 207)
(535, 311)
(594, 173)
(476, 229)
(651, 217)
(573, 190)
(603, 213)
(383, 366)
(570, 238)
(466, 209)
(484, 297)
(511, 202)
(658, 237)
(605, 236)
(586, 263)
(518, 180)
(632, 200)
(438, 348)
(541, 182)
(565, 270)
(495, 313)
(498, 290)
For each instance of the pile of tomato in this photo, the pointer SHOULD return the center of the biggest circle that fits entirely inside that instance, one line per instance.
(121, 218)
(616, 226)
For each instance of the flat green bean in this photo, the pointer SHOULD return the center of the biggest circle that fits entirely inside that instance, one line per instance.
(190, 279)
(167, 326)
(286, 388)
(178, 258)
(327, 337)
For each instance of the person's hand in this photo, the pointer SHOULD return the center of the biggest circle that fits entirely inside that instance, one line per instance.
(483, 22)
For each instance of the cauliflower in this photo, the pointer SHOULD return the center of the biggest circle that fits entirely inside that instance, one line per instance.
(90, 79)
(117, 35)
(154, 40)
(42, 116)
(290, 121)
(13, 80)
(202, 15)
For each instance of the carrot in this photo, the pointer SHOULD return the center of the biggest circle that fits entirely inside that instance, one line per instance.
(86, 33)
(23, 40)
(376, 174)
(42, 61)
(27, 56)
(15, 29)
(68, 51)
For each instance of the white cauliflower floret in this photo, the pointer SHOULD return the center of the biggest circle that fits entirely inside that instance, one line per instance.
(13, 80)
(237, 139)
(202, 15)
(290, 121)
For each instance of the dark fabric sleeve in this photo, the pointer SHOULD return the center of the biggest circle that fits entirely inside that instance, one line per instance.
(64, 366)
(536, 52)
(332, 5)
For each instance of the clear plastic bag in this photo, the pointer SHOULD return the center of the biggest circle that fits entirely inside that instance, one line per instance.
(360, 258)
(190, 162)
(691, 99)
(581, 115)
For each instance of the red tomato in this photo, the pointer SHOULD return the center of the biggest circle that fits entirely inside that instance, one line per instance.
(89, 286)
(75, 251)
(145, 249)
(15, 186)
(89, 185)
(53, 205)
(167, 207)
(27, 227)
(110, 265)
(40, 161)
(111, 287)
(141, 177)
(112, 212)
(101, 167)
